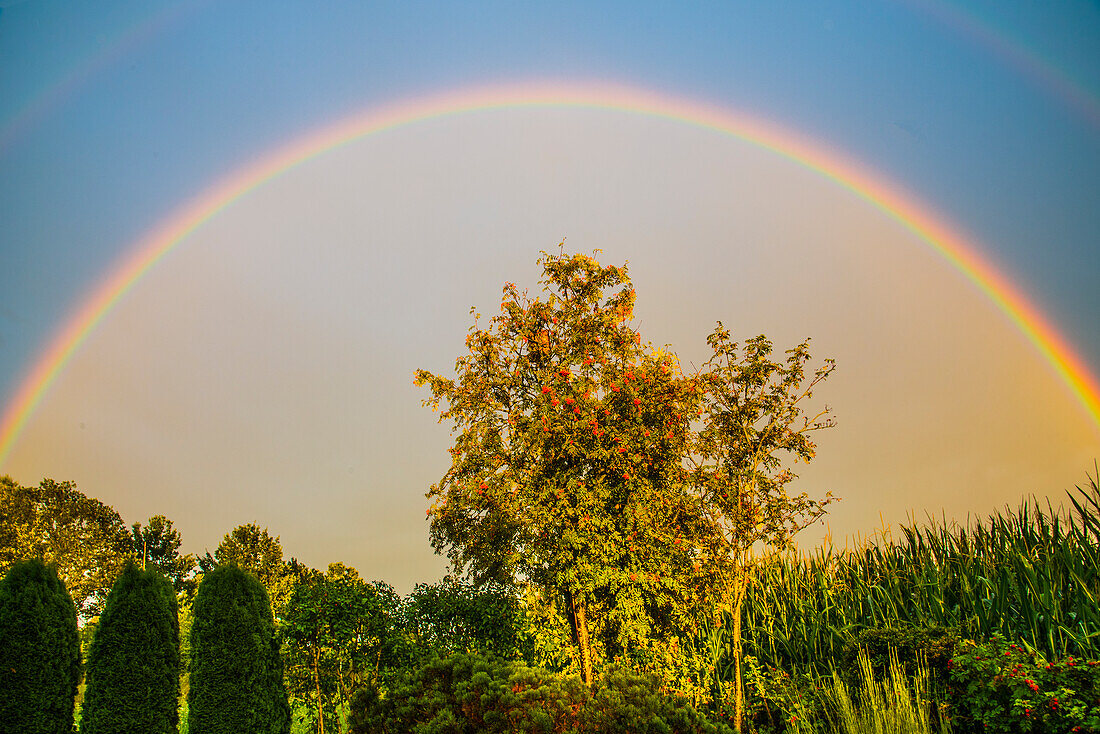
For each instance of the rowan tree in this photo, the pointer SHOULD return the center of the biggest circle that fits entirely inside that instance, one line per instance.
(753, 424)
(567, 464)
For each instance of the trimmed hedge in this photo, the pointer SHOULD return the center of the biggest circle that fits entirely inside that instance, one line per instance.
(39, 652)
(236, 681)
(467, 693)
(133, 666)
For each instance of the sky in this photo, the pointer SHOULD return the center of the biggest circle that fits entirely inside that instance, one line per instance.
(322, 191)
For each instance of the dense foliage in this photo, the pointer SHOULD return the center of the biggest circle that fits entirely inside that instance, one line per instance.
(567, 468)
(589, 465)
(839, 605)
(236, 682)
(157, 545)
(340, 633)
(453, 616)
(133, 672)
(999, 686)
(85, 539)
(39, 651)
(253, 549)
(468, 693)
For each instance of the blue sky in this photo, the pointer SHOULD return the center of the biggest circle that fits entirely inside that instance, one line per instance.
(112, 115)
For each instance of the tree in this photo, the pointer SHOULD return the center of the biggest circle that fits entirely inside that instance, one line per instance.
(752, 420)
(157, 545)
(236, 673)
(453, 616)
(253, 549)
(567, 467)
(39, 651)
(133, 667)
(339, 635)
(85, 539)
(17, 519)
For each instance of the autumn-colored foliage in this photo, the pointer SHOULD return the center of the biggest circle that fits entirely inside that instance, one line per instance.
(567, 468)
(588, 463)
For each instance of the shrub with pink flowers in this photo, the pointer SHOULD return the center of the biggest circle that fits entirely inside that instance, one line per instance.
(1000, 686)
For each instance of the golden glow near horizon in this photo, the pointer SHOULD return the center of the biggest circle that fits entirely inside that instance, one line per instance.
(266, 366)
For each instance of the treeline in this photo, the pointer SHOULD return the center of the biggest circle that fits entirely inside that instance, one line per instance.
(1004, 605)
(335, 632)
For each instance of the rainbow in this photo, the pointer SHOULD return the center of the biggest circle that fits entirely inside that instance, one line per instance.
(901, 206)
(1041, 72)
(138, 34)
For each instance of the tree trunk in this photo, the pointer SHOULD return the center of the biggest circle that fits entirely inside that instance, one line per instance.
(738, 687)
(738, 692)
(579, 619)
(317, 679)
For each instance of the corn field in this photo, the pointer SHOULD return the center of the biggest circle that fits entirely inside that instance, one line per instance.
(1033, 576)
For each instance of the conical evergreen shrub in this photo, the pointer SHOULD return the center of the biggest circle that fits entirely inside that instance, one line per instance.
(39, 652)
(133, 666)
(236, 682)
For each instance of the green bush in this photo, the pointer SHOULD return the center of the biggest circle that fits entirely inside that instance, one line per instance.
(133, 666)
(777, 701)
(39, 652)
(236, 681)
(467, 693)
(913, 646)
(1001, 687)
(454, 616)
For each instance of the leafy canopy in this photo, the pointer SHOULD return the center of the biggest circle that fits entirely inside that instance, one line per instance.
(85, 539)
(157, 545)
(567, 467)
(587, 463)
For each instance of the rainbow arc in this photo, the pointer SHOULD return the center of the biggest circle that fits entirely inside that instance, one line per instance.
(957, 249)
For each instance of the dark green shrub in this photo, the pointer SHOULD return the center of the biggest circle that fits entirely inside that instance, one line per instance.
(467, 693)
(1001, 687)
(39, 652)
(133, 667)
(935, 645)
(236, 682)
(454, 616)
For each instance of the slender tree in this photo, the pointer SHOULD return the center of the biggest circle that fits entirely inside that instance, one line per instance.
(236, 680)
(39, 651)
(754, 422)
(338, 636)
(133, 667)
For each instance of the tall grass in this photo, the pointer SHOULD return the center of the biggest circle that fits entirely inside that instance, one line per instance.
(1032, 575)
(896, 705)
